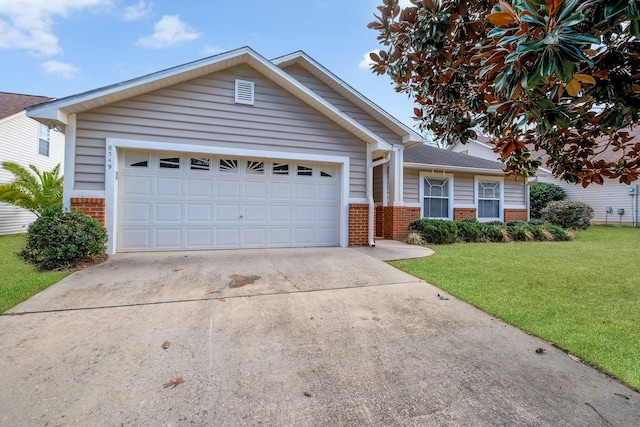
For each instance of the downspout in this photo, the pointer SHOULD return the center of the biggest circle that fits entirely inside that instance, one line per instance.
(370, 167)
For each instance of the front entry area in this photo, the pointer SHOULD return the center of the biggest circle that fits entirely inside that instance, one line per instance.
(184, 201)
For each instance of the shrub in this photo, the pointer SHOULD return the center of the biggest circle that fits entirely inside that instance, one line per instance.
(435, 231)
(469, 230)
(537, 221)
(515, 223)
(414, 238)
(491, 233)
(60, 239)
(558, 233)
(536, 232)
(568, 214)
(519, 232)
(541, 193)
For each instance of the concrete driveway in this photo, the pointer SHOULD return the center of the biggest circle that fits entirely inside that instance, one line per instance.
(288, 337)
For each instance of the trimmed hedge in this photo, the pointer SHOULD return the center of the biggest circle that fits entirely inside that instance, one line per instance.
(437, 231)
(541, 194)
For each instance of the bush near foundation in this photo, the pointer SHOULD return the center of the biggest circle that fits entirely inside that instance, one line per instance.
(61, 239)
(437, 231)
(541, 194)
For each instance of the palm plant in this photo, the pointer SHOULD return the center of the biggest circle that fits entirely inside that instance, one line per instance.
(31, 188)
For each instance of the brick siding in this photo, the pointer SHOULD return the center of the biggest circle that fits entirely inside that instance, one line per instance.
(92, 207)
(358, 224)
(397, 220)
(380, 221)
(515, 215)
(463, 213)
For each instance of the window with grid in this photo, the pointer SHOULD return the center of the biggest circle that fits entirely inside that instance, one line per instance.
(488, 199)
(436, 198)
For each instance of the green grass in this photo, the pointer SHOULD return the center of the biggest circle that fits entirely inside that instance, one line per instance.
(19, 280)
(582, 295)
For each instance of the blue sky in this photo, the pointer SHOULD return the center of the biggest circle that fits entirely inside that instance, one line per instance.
(58, 48)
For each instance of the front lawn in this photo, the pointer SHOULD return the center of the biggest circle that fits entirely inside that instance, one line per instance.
(19, 280)
(582, 295)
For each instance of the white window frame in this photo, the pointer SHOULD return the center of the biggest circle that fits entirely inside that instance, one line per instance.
(41, 140)
(484, 178)
(448, 176)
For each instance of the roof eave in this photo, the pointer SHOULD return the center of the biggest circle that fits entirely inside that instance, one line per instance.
(448, 168)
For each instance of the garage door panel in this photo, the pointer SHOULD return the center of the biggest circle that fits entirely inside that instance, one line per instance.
(135, 239)
(137, 186)
(199, 213)
(200, 188)
(255, 190)
(169, 187)
(199, 238)
(136, 212)
(227, 237)
(304, 214)
(227, 213)
(168, 212)
(256, 237)
(168, 238)
(280, 213)
(228, 189)
(281, 191)
(255, 214)
(263, 206)
(280, 236)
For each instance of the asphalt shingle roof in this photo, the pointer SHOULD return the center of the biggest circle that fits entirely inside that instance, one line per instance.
(11, 103)
(438, 157)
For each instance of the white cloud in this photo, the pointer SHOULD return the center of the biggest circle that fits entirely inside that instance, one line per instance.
(137, 11)
(169, 31)
(211, 50)
(66, 71)
(27, 24)
(405, 3)
(366, 60)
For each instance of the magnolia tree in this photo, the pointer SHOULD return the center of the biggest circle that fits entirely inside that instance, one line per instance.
(554, 77)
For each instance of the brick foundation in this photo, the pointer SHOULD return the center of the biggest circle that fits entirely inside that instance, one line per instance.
(515, 215)
(460, 214)
(90, 207)
(358, 224)
(396, 221)
(380, 221)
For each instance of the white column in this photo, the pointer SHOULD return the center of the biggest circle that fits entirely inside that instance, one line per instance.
(396, 178)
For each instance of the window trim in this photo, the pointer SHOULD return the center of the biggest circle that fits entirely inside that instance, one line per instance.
(484, 178)
(41, 140)
(436, 175)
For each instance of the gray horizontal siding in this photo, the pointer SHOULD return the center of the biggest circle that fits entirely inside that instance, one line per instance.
(203, 112)
(353, 111)
(463, 191)
(411, 186)
(514, 191)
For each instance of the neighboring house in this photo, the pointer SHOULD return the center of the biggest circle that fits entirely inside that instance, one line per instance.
(612, 202)
(26, 142)
(236, 151)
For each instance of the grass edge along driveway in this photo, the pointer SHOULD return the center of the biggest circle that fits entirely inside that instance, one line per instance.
(582, 295)
(19, 280)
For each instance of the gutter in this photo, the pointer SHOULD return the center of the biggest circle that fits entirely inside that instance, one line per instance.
(370, 166)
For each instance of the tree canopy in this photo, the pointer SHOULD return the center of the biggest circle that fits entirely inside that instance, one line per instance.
(550, 79)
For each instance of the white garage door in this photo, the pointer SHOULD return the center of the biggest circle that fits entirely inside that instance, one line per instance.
(169, 201)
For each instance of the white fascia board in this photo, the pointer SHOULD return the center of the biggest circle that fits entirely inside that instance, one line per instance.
(315, 68)
(429, 167)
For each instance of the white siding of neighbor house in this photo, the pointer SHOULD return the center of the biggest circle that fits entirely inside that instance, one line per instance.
(611, 193)
(203, 112)
(346, 106)
(476, 150)
(19, 144)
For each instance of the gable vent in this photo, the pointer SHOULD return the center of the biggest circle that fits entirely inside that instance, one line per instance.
(244, 92)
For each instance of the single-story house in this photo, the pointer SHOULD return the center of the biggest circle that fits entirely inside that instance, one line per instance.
(236, 151)
(612, 202)
(26, 142)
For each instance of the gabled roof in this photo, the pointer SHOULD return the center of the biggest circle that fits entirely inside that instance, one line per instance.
(56, 113)
(409, 137)
(428, 157)
(12, 103)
